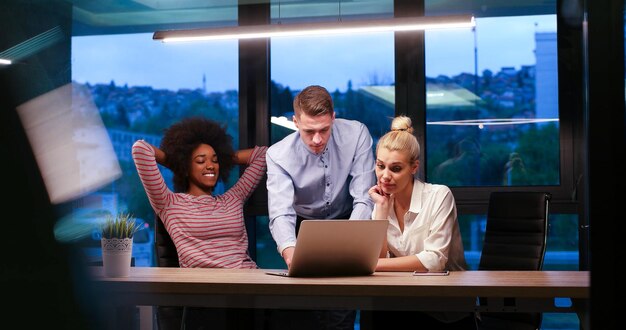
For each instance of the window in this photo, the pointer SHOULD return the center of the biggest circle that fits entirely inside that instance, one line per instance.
(492, 103)
(360, 82)
(140, 87)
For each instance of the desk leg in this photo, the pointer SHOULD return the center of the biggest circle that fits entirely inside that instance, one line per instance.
(146, 316)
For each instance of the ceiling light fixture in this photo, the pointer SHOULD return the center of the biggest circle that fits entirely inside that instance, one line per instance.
(318, 28)
(5, 62)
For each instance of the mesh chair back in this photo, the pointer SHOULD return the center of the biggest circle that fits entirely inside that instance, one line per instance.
(167, 317)
(164, 246)
(516, 233)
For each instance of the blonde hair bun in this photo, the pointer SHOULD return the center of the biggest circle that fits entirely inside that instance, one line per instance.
(402, 123)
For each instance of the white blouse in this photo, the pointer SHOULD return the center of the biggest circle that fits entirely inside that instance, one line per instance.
(431, 230)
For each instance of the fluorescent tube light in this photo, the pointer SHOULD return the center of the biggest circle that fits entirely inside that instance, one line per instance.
(318, 28)
(5, 62)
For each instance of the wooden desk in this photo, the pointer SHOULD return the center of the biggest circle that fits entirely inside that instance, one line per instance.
(532, 290)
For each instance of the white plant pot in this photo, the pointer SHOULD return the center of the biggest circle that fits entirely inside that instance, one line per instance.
(116, 255)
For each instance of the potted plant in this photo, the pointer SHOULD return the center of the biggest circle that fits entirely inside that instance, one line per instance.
(117, 243)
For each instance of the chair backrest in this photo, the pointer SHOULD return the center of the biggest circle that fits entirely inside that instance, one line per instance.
(515, 239)
(164, 246)
(167, 317)
(516, 232)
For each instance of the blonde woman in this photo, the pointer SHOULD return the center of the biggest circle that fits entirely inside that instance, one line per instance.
(423, 232)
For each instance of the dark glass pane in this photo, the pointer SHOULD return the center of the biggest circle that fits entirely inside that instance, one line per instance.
(266, 252)
(311, 10)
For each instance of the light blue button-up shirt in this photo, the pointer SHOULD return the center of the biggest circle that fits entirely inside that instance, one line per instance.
(319, 186)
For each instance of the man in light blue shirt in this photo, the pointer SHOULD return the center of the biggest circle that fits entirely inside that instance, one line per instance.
(322, 171)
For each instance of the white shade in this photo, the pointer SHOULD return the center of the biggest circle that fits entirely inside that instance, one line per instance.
(317, 28)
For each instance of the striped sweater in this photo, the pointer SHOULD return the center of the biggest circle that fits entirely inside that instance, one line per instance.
(208, 231)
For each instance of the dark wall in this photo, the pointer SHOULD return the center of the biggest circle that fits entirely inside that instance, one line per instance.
(46, 289)
(606, 138)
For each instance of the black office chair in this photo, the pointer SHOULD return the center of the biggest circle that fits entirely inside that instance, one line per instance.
(167, 317)
(515, 239)
(175, 317)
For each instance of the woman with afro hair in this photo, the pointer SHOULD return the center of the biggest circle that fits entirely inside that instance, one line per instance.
(208, 230)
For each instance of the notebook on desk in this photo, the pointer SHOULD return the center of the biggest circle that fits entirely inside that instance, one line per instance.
(336, 248)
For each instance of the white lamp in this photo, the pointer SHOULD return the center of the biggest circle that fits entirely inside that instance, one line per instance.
(317, 28)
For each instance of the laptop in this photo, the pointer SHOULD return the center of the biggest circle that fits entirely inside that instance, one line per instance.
(336, 248)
